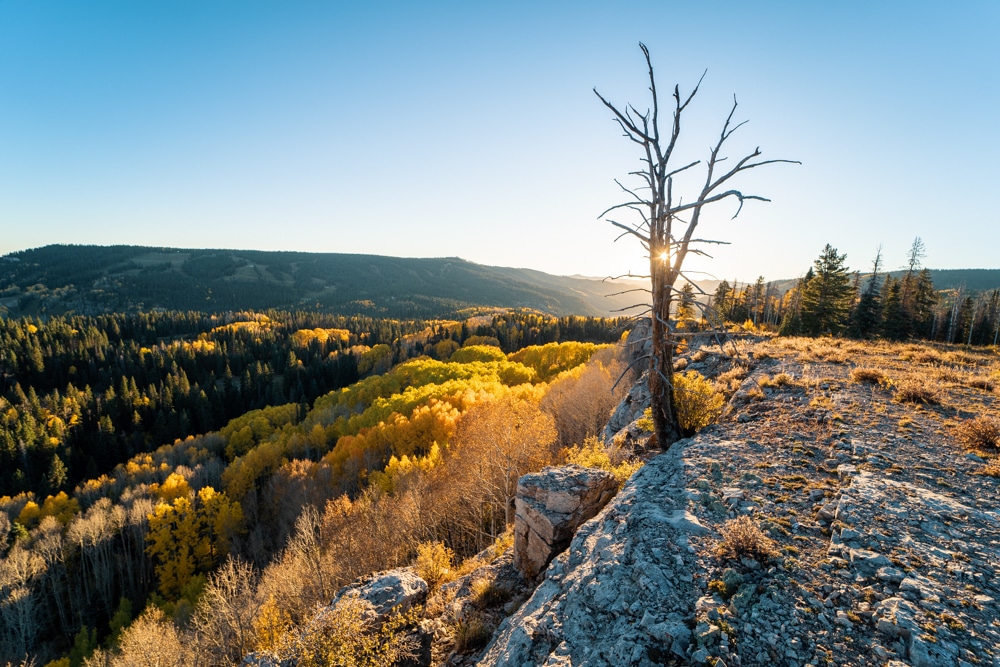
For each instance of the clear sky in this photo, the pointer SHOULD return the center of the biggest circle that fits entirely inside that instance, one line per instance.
(470, 129)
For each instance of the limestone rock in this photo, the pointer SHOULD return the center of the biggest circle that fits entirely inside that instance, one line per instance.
(264, 659)
(622, 594)
(550, 506)
(401, 588)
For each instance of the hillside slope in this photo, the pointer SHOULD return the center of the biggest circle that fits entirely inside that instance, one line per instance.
(878, 542)
(93, 279)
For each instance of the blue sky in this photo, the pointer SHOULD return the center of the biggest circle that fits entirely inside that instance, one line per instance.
(471, 129)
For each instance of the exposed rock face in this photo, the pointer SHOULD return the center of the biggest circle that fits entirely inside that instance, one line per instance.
(623, 591)
(550, 506)
(637, 346)
(628, 411)
(386, 591)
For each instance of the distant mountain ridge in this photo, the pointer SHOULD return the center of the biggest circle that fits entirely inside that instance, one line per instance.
(95, 279)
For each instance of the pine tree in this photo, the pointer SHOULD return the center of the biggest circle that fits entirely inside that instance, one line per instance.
(895, 325)
(686, 318)
(722, 303)
(867, 313)
(826, 298)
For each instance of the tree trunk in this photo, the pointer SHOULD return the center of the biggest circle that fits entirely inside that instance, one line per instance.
(661, 363)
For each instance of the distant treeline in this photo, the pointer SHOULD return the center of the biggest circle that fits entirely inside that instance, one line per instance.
(830, 300)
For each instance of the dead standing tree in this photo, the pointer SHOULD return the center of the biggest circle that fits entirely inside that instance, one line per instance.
(663, 232)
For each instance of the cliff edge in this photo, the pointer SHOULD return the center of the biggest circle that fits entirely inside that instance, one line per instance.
(874, 537)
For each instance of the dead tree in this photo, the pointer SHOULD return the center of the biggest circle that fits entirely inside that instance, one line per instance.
(666, 223)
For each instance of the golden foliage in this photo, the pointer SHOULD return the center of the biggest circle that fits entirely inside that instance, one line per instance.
(593, 454)
(271, 626)
(697, 401)
(551, 359)
(174, 487)
(189, 535)
(434, 563)
(484, 353)
(350, 635)
(303, 337)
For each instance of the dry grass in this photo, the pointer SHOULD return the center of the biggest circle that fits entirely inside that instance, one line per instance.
(921, 355)
(913, 390)
(472, 633)
(486, 592)
(779, 380)
(966, 358)
(949, 375)
(867, 375)
(731, 380)
(979, 382)
(742, 538)
(991, 469)
(981, 434)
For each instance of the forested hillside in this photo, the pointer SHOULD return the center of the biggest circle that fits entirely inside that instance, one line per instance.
(95, 279)
(309, 497)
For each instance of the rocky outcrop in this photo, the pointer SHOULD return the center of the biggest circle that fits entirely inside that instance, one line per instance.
(550, 505)
(622, 594)
(629, 410)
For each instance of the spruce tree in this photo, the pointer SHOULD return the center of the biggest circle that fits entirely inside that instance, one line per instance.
(686, 318)
(895, 324)
(826, 298)
(867, 313)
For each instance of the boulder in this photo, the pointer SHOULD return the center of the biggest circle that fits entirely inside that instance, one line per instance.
(386, 591)
(265, 659)
(550, 505)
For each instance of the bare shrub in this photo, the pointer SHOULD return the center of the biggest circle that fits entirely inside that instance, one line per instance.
(981, 433)
(152, 639)
(867, 375)
(496, 442)
(582, 400)
(742, 538)
(226, 611)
